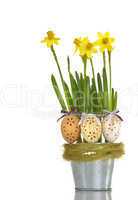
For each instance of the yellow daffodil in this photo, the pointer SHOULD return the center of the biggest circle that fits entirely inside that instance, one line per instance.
(50, 39)
(85, 47)
(77, 42)
(105, 41)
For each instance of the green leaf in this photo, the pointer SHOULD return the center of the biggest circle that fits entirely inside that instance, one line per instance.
(68, 61)
(80, 97)
(74, 89)
(94, 85)
(77, 97)
(68, 96)
(105, 90)
(88, 94)
(58, 93)
(82, 82)
(115, 100)
(100, 102)
(78, 80)
(94, 97)
(100, 89)
(105, 81)
(99, 80)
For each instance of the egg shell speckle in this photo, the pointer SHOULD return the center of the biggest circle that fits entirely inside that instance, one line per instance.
(91, 129)
(111, 127)
(70, 128)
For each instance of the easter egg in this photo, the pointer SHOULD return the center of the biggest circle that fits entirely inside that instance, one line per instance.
(70, 128)
(111, 127)
(91, 129)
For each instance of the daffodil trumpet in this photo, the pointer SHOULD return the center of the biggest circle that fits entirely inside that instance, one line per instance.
(50, 39)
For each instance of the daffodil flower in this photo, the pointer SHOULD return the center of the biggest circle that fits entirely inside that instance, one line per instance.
(77, 42)
(99, 87)
(105, 42)
(50, 39)
(85, 47)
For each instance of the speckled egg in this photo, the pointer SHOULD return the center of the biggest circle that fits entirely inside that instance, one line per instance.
(111, 127)
(91, 129)
(70, 128)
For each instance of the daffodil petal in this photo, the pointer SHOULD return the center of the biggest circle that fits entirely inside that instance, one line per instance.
(107, 34)
(100, 35)
(50, 39)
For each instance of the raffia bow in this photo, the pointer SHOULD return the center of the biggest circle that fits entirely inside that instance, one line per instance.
(73, 110)
(113, 113)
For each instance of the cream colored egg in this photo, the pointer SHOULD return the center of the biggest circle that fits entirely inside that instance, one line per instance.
(70, 128)
(91, 129)
(111, 127)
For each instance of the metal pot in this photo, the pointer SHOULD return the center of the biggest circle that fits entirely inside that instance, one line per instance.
(95, 195)
(93, 176)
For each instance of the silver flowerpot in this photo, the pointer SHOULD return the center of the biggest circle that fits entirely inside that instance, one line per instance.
(93, 176)
(95, 195)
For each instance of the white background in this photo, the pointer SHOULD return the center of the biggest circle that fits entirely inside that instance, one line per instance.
(31, 164)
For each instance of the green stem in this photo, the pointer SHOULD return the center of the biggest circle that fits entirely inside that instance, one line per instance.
(85, 84)
(106, 88)
(64, 85)
(56, 59)
(93, 73)
(68, 61)
(104, 59)
(110, 79)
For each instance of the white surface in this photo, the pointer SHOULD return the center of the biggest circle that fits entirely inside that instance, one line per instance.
(31, 165)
